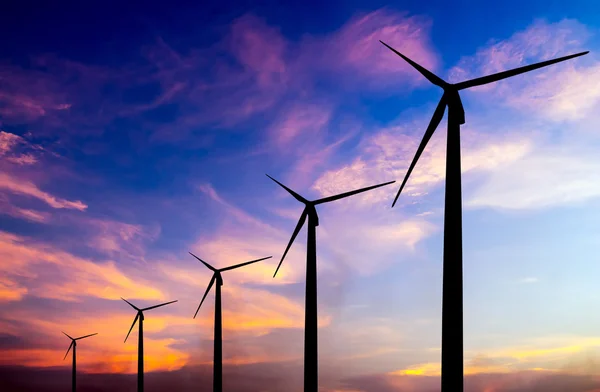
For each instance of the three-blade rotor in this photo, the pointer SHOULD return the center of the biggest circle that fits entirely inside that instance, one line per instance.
(217, 275)
(452, 99)
(141, 314)
(74, 339)
(309, 210)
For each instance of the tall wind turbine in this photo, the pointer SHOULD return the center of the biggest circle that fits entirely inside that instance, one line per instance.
(311, 368)
(74, 345)
(140, 315)
(452, 295)
(218, 344)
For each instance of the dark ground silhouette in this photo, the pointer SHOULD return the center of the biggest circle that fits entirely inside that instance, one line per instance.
(275, 377)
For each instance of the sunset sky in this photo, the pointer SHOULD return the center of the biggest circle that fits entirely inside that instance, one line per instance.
(133, 134)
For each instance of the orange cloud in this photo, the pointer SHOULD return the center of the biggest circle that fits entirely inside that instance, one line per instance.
(22, 258)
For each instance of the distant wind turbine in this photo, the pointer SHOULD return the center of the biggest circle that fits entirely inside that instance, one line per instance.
(74, 345)
(140, 315)
(311, 368)
(452, 286)
(218, 343)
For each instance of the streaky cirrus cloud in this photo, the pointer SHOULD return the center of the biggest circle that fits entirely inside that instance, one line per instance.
(49, 272)
(355, 48)
(566, 91)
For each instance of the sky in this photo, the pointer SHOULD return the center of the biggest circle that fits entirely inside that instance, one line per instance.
(132, 134)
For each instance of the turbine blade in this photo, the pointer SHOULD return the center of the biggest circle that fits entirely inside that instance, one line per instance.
(67, 335)
(134, 321)
(204, 262)
(346, 194)
(296, 196)
(438, 114)
(296, 231)
(212, 281)
(158, 306)
(70, 345)
(513, 72)
(132, 305)
(86, 336)
(243, 264)
(428, 74)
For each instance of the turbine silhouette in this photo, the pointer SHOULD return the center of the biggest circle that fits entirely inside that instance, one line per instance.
(74, 345)
(311, 368)
(452, 286)
(140, 315)
(218, 344)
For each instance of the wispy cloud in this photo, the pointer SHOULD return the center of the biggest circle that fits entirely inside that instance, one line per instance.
(564, 91)
(32, 264)
(27, 188)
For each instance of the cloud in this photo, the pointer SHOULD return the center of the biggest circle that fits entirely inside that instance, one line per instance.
(386, 155)
(532, 279)
(562, 92)
(48, 272)
(7, 142)
(547, 177)
(305, 121)
(27, 188)
(6, 207)
(117, 238)
(354, 50)
(259, 48)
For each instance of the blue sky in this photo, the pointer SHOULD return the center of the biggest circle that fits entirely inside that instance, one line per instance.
(132, 134)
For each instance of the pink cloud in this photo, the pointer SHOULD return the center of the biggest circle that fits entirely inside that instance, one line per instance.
(6, 207)
(8, 141)
(540, 41)
(356, 47)
(261, 49)
(300, 121)
(118, 238)
(564, 91)
(27, 188)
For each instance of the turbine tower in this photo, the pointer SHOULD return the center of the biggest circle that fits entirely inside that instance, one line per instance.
(74, 345)
(311, 368)
(452, 280)
(218, 344)
(140, 315)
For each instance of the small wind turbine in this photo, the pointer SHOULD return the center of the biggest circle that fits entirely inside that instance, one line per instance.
(311, 368)
(218, 344)
(74, 345)
(140, 315)
(452, 287)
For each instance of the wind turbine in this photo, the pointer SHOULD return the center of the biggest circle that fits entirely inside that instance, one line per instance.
(218, 344)
(140, 315)
(311, 368)
(74, 345)
(452, 295)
